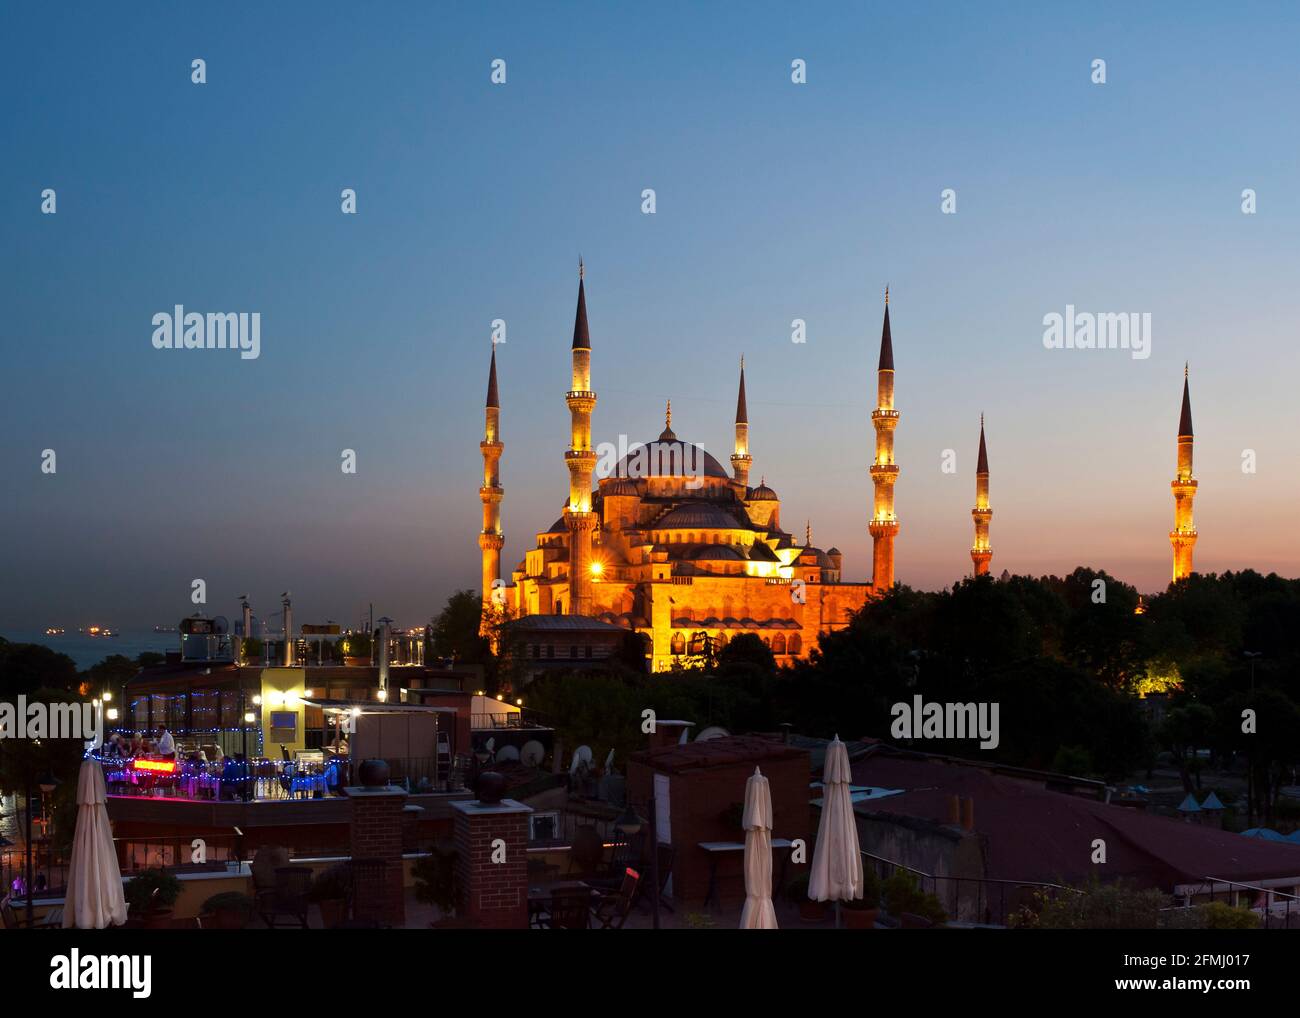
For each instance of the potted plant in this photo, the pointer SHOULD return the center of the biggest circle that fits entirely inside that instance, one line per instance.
(329, 892)
(228, 910)
(904, 899)
(435, 880)
(151, 894)
(797, 894)
(861, 913)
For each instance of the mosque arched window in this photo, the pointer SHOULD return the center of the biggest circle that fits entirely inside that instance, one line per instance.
(678, 643)
(778, 643)
(796, 643)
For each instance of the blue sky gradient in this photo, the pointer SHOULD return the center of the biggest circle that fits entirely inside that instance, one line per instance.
(775, 202)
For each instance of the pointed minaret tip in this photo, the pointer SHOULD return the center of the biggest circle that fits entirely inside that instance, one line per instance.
(886, 341)
(493, 401)
(742, 406)
(581, 334)
(982, 467)
(668, 416)
(1185, 418)
(807, 533)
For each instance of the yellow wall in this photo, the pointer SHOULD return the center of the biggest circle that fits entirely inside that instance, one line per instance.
(282, 690)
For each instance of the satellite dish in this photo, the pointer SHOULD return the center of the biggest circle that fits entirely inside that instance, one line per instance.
(581, 758)
(491, 744)
(533, 752)
(221, 625)
(712, 732)
(507, 754)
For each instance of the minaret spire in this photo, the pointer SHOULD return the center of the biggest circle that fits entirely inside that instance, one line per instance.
(740, 458)
(884, 471)
(1183, 536)
(490, 538)
(981, 551)
(580, 460)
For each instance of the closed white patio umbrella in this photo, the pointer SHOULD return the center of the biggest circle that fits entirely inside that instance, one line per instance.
(837, 863)
(758, 913)
(94, 899)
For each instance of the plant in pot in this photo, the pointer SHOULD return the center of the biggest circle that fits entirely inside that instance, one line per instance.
(228, 910)
(797, 894)
(861, 913)
(435, 881)
(904, 899)
(329, 892)
(151, 894)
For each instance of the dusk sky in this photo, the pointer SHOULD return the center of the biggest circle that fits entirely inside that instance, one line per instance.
(775, 201)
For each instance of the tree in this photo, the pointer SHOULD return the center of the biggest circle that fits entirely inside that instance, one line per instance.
(456, 629)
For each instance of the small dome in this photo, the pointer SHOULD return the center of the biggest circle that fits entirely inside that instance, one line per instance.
(619, 486)
(763, 494)
(558, 527)
(834, 551)
(760, 552)
(696, 516)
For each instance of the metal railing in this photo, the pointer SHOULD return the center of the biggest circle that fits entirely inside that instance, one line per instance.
(985, 900)
(263, 780)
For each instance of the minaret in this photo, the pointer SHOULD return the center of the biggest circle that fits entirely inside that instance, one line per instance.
(490, 538)
(740, 458)
(884, 471)
(1183, 536)
(581, 461)
(981, 551)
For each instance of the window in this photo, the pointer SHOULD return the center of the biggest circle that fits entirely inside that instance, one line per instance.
(778, 644)
(796, 644)
(573, 651)
(678, 643)
(550, 650)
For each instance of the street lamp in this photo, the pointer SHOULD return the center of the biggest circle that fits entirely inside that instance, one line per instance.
(47, 783)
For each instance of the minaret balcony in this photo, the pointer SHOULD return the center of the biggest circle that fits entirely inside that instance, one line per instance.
(491, 493)
(884, 470)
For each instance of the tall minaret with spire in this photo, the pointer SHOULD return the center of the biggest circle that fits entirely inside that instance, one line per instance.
(1183, 536)
(490, 539)
(884, 471)
(581, 461)
(981, 551)
(740, 458)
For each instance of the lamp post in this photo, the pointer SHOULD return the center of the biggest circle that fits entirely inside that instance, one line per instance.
(47, 782)
(629, 823)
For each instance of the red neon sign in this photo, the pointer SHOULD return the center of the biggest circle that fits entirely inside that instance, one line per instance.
(158, 766)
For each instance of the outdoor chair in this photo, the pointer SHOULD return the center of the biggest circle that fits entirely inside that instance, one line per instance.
(570, 910)
(626, 854)
(610, 910)
(288, 898)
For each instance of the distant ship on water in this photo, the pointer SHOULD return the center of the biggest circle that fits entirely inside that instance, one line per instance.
(54, 631)
(97, 631)
(164, 629)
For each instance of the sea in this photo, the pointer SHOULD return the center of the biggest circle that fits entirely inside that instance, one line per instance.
(90, 650)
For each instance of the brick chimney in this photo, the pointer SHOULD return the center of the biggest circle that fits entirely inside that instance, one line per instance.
(377, 833)
(493, 894)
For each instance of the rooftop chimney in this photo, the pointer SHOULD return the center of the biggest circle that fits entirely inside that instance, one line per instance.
(288, 629)
(385, 634)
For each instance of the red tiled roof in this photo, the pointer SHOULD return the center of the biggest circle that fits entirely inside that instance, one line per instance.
(1034, 834)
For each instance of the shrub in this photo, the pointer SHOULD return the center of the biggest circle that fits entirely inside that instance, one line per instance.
(901, 894)
(140, 890)
(229, 901)
(435, 878)
(1219, 915)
